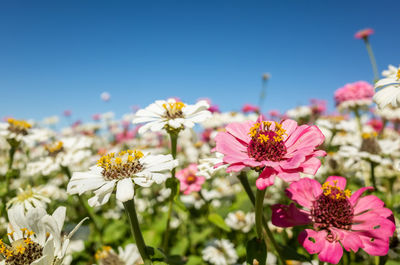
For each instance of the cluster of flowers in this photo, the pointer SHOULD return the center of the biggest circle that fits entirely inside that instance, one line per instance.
(216, 195)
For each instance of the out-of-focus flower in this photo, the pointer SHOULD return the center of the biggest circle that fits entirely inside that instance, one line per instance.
(364, 33)
(51, 120)
(96, 116)
(389, 92)
(190, 182)
(300, 112)
(247, 108)
(171, 115)
(376, 124)
(67, 113)
(338, 218)
(391, 71)
(36, 237)
(240, 221)
(29, 198)
(318, 106)
(128, 256)
(358, 94)
(278, 149)
(105, 96)
(123, 170)
(220, 252)
(15, 129)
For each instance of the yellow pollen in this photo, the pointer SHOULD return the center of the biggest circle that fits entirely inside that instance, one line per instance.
(174, 106)
(19, 123)
(19, 249)
(366, 135)
(262, 138)
(11, 233)
(335, 191)
(111, 161)
(9, 253)
(2, 248)
(103, 252)
(54, 147)
(28, 241)
(398, 74)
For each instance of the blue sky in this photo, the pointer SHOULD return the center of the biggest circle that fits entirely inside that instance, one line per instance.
(57, 55)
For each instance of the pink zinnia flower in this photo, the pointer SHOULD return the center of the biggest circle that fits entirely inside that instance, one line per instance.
(376, 124)
(354, 94)
(364, 33)
(276, 149)
(338, 218)
(189, 181)
(250, 108)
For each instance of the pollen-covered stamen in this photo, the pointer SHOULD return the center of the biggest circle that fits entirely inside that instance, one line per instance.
(332, 208)
(267, 141)
(54, 149)
(22, 251)
(18, 126)
(123, 165)
(398, 74)
(370, 144)
(191, 179)
(106, 256)
(173, 110)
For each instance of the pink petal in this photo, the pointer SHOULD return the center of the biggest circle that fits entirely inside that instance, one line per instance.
(312, 241)
(229, 145)
(311, 166)
(332, 252)
(304, 191)
(240, 130)
(376, 246)
(350, 240)
(235, 167)
(354, 197)
(307, 138)
(366, 203)
(289, 176)
(340, 181)
(289, 126)
(288, 216)
(294, 162)
(266, 178)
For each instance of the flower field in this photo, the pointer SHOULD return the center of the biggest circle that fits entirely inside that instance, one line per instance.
(184, 183)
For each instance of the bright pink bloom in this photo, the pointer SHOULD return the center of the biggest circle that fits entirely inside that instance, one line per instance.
(376, 124)
(274, 113)
(338, 218)
(96, 117)
(359, 92)
(278, 149)
(189, 181)
(250, 108)
(318, 106)
(364, 33)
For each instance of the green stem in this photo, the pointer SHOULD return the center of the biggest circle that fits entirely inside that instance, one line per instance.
(358, 119)
(262, 94)
(259, 211)
(245, 183)
(174, 144)
(135, 228)
(372, 174)
(89, 211)
(372, 59)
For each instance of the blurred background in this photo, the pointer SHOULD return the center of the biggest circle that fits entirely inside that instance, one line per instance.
(62, 55)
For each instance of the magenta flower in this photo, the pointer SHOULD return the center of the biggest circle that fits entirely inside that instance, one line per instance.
(354, 94)
(364, 33)
(247, 108)
(339, 219)
(189, 181)
(276, 149)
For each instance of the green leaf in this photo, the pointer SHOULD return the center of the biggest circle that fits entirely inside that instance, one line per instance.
(180, 247)
(256, 250)
(218, 221)
(195, 260)
(197, 237)
(173, 184)
(115, 231)
(291, 254)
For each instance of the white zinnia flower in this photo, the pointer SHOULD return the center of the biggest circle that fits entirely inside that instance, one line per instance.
(172, 113)
(29, 198)
(35, 237)
(124, 170)
(128, 256)
(220, 252)
(390, 90)
(240, 221)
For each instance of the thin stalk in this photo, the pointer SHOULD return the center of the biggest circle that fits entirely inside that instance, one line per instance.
(174, 143)
(372, 59)
(135, 228)
(358, 119)
(245, 183)
(372, 174)
(262, 94)
(259, 211)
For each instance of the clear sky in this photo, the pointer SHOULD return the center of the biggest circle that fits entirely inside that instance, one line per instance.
(57, 55)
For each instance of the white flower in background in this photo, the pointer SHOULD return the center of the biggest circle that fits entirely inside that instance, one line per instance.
(206, 166)
(391, 71)
(171, 113)
(299, 112)
(126, 256)
(389, 92)
(389, 113)
(220, 252)
(123, 170)
(52, 120)
(36, 237)
(105, 96)
(240, 221)
(29, 198)
(218, 120)
(15, 129)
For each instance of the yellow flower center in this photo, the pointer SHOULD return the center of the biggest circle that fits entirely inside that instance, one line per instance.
(334, 191)
(173, 110)
(105, 255)
(398, 74)
(123, 165)
(54, 148)
(366, 135)
(18, 126)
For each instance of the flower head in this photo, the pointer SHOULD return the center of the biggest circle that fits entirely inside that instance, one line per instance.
(338, 218)
(128, 256)
(220, 252)
(354, 94)
(389, 93)
(189, 180)
(364, 33)
(124, 169)
(275, 149)
(171, 114)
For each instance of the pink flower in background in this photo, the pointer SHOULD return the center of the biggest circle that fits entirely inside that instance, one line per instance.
(96, 117)
(247, 108)
(67, 113)
(364, 33)
(213, 107)
(354, 94)
(277, 149)
(318, 106)
(189, 181)
(376, 124)
(274, 113)
(338, 218)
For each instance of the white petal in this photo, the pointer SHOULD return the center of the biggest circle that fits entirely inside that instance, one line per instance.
(125, 190)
